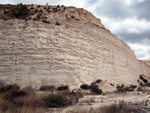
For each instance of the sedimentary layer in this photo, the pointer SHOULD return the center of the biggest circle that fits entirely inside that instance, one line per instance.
(73, 52)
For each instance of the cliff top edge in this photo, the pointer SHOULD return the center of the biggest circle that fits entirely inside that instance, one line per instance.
(48, 13)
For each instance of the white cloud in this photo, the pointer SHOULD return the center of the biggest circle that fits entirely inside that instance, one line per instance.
(6, 2)
(140, 1)
(128, 2)
(76, 3)
(130, 25)
(134, 30)
(141, 51)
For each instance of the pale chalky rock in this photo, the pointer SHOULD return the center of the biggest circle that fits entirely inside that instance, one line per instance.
(106, 87)
(79, 50)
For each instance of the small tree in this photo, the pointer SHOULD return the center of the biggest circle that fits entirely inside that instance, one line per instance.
(20, 11)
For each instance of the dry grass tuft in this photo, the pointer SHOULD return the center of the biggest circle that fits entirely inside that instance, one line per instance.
(15, 100)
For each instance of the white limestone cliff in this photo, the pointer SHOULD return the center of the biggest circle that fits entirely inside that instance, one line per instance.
(76, 51)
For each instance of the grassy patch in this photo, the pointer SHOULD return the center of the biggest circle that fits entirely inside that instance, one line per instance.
(55, 101)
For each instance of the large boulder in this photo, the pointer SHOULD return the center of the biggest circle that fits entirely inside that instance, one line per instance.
(106, 87)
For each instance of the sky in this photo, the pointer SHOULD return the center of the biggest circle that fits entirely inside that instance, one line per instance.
(129, 20)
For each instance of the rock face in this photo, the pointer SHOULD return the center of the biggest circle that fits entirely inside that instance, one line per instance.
(77, 50)
(106, 87)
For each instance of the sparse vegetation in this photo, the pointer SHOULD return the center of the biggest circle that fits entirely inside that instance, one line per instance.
(45, 21)
(9, 88)
(20, 11)
(47, 88)
(98, 81)
(55, 9)
(62, 88)
(72, 97)
(55, 101)
(121, 104)
(95, 89)
(126, 88)
(39, 16)
(38, 6)
(13, 99)
(85, 86)
(58, 24)
(114, 108)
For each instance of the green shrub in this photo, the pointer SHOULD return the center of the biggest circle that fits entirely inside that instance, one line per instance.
(9, 88)
(20, 11)
(133, 86)
(55, 101)
(95, 89)
(58, 24)
(14, 94)
(61, 88)
(85, 86)
(98, 81)
(124, 89)
(47, 88)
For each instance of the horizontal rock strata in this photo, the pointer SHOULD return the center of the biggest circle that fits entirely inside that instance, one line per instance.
(73, 52)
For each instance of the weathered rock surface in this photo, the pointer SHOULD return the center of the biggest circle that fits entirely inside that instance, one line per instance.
(106, 87)
(75, 52)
